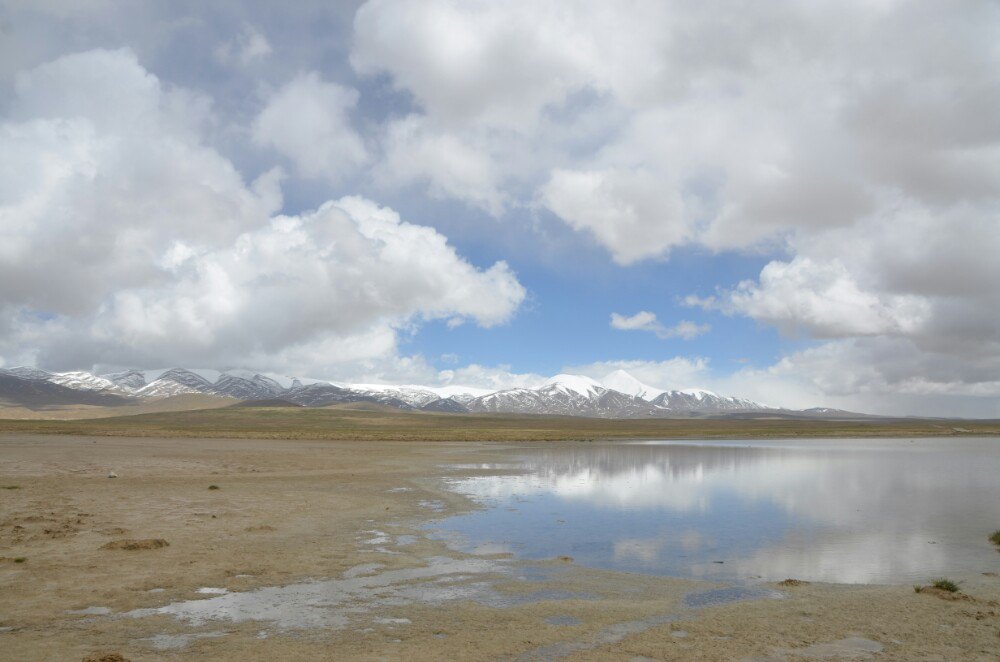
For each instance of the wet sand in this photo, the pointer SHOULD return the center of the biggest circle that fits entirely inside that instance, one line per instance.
(312, 550)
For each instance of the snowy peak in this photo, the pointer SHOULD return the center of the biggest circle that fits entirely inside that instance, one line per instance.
(699, 393)
(84, 381)
(577, 384)
(623, 382)
(700, 400)
(617, 395)
(415, 396)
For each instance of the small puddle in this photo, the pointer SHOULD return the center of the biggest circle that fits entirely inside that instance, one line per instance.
(167, 642)
(331, 603)
(729, 594)
(619, 631)
(609, 635)
(432, 505)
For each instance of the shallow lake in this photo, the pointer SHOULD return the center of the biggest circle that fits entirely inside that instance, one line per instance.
(849, 511)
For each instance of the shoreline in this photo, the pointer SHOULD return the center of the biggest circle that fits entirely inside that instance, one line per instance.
(292, 510)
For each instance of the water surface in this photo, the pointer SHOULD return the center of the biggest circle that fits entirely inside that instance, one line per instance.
(851, 511)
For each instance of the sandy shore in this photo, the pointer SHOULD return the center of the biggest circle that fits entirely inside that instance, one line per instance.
(335, 526)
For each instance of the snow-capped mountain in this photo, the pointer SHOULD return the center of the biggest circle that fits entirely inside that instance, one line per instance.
(617, 395)
(35, 389)
(419, 396)
(84, 381)
(414, 396)
(176, 381)
(702, 400)
(574, 395)
(623, 382)
(179, 381)
(566, 395)
(130, 380)
(257, 387)
(324, 394)
(78, 381)
(27, 373)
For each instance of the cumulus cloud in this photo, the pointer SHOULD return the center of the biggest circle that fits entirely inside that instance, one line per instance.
(827, 134)
(646, 321)
(308, 121)
(913, 282)
(124, 239)
(827, 137)
(822, 299)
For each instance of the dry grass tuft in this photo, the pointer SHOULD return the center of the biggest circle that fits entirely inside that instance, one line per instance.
(133, 545)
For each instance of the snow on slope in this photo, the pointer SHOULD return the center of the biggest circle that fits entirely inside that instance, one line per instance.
(418, 396)
(617, 395)
(84, 381)
(578, 384)
(623, 382)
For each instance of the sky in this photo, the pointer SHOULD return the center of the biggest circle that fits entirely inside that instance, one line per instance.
(794, 202)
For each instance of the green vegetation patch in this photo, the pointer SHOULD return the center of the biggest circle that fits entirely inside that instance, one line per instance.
(945, 585)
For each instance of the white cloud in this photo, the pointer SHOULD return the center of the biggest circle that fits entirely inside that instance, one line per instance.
(827, 134)
(104, 172)
(447, 164)
(823, 299)
(642, 320)
(632, 212)
(646, 321)
(494, 378)
(125, 240)
(499, 64)
(874, 375)
(245, 48)
(308, 121)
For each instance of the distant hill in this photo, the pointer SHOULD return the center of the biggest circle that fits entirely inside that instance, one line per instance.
(32, 393)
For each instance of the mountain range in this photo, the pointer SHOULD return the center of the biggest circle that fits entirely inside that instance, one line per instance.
(618, 395)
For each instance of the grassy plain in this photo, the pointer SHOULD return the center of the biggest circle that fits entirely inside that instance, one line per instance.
(374, 424)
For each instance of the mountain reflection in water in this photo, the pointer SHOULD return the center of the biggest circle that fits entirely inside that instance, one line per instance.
(854, 511)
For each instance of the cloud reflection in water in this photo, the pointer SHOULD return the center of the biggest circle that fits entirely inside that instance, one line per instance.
(854, 511)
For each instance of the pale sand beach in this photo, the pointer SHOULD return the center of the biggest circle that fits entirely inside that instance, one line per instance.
(315, 550)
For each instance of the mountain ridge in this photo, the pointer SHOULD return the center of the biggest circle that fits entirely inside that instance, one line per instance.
(617, 395)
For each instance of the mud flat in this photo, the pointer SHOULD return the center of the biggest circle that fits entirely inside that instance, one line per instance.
(320, 549)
